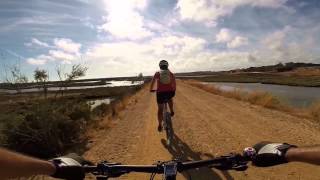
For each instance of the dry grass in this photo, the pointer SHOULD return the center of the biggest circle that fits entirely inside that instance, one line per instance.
(264, 99)
(314, 111)
(257, 97)
(235, 94)
(105, 114)
(261, 98)
(211, 89)
(305, 72)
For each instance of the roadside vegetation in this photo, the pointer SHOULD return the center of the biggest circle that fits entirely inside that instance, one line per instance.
(314, 110)
(304, 72)
(261, 98)
(266, 78)
(41, 77)
(14, 78)
(50, 123)
(45, 128)
(292, 74)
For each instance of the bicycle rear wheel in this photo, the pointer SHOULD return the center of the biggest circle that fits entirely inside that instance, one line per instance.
(169, 131)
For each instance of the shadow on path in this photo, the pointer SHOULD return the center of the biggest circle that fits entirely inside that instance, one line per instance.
(182, 151)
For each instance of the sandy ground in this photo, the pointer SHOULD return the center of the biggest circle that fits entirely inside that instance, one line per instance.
(205, 125)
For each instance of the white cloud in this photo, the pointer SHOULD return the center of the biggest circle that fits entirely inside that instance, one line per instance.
(209, 11)
(110, 59)
(43, 20)
(129, 25)
(64, 44)
(279, 47)
(184, 53)
(176, 45)
(155, 26)
(35, 41)
(62, 56)
(67, 45)
(124, 20)
(116, 50)
(88, 21)
(224, 35)
(34, 61)
(213, 61)
(40, 60)
(168, 45)
(231, 39)
(276, 40)
(258, 3)
(63, 50)
(237, 42)
(116, 5)
(196, 10)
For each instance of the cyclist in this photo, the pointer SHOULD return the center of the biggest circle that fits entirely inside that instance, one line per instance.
(166, 87)
(13, 165)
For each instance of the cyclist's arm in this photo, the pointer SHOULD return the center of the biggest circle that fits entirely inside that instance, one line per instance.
(304, 154)
(270, 154)
(153, 81)
(17, 165)
(174, 82)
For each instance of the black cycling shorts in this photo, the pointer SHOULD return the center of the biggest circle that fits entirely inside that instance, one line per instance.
(162, 97)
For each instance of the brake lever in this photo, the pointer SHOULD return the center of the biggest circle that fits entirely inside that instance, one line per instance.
(106, 171)
(240, 163)
(232, 162)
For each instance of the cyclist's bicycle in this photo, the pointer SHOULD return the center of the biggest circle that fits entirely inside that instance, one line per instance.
(169, 169)
(167, 123)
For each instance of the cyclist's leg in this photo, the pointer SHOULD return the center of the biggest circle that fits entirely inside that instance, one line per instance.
(160, 116)
(170, 102)
(160, 102)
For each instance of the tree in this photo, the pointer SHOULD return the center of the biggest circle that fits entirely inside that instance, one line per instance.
(61, 76)
(77, 71)
(41, 76)
(140, 76)
(15, 78)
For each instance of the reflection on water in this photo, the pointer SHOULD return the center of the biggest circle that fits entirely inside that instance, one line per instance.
(294, 95)
(108, 84)
(97, 102)
(81, 82)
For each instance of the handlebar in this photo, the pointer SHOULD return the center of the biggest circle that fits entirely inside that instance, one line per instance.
(236, 162)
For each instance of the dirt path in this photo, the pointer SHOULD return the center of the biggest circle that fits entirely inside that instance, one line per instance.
(205, 125)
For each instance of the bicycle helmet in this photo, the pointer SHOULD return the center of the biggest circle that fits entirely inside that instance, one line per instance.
(163, 64)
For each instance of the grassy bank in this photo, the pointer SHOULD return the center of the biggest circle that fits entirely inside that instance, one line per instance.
(47, 127)
(264, 99)
(267, 78)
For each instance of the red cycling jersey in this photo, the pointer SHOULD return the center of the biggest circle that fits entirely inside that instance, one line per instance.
(169, 85)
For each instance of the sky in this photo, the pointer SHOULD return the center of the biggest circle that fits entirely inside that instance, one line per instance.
(127, 37)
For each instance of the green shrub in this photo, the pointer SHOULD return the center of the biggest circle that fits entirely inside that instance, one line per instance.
(101, 110)
(48, 128)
